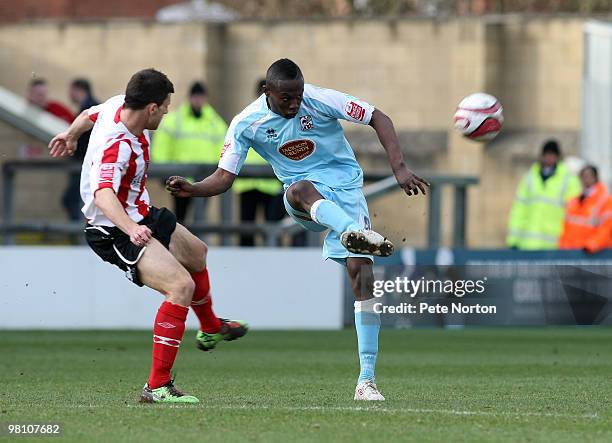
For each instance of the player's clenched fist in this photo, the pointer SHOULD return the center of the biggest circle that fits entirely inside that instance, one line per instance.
(140, 235)
(62, 144)
(179, 186)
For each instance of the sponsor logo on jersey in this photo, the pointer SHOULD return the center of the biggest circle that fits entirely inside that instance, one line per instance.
(354, 110)
(271, 133)
(306, 122)
(297, 149)
(226, 146)
(107, 170)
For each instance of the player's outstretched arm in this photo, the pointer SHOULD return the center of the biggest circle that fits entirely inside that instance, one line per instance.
(408, 180)
(65, 143)
(216, 183)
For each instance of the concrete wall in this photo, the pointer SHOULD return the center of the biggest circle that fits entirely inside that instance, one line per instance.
(416, 70)
(74, 289)
(541, 73)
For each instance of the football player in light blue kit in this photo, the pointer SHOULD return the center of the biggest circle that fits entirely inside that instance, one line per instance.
(295, 127)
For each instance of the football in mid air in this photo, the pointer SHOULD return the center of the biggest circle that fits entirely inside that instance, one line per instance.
(479, 117)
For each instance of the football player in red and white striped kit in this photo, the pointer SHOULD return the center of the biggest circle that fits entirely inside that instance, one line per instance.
(144, 241)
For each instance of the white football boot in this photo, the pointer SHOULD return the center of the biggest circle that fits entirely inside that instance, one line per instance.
(367, 390)
(367, 242)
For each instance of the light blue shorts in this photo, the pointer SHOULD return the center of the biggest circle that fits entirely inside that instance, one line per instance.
(353, 202)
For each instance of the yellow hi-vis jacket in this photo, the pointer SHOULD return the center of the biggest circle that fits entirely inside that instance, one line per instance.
(183, 138)
(266, 185)
(538, 211)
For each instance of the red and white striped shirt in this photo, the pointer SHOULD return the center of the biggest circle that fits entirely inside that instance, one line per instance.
(115, 159)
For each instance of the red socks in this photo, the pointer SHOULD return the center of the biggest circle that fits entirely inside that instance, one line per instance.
(170, 326)
(167, 334)
(202, 303)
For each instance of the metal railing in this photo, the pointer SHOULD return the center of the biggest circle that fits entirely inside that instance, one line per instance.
(271, 231)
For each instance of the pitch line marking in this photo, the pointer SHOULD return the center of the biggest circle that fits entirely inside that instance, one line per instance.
(412, 410)
(592, 416)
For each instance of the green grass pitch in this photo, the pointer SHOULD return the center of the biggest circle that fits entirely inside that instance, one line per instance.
(462, 385)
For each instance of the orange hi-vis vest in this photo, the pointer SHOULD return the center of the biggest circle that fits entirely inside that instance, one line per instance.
(588, 223)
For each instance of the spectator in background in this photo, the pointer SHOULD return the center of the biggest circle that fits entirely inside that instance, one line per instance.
(537, 214)
(80, 95)
(264, 193)
(588, 219)
(38, 95)
(194, 133)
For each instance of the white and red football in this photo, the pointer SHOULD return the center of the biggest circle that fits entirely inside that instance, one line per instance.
(479, 117)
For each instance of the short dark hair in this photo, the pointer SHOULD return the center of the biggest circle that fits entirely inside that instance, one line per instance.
(551, 147)
(38, 81)
(197, 88)
(283, 70)
(82, 84)
(591, 168)
(145, 87)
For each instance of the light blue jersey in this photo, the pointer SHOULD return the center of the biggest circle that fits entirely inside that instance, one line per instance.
(311, 146)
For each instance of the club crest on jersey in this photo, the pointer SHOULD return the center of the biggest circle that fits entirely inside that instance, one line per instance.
(271, 133)
(136, 181)
(297, 150)
(306, 122)
(355, 110)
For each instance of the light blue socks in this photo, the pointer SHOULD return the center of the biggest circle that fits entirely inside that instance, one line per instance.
(329, 214)
(367, 323)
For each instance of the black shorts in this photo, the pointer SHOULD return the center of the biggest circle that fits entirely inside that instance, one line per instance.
(114, 246)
